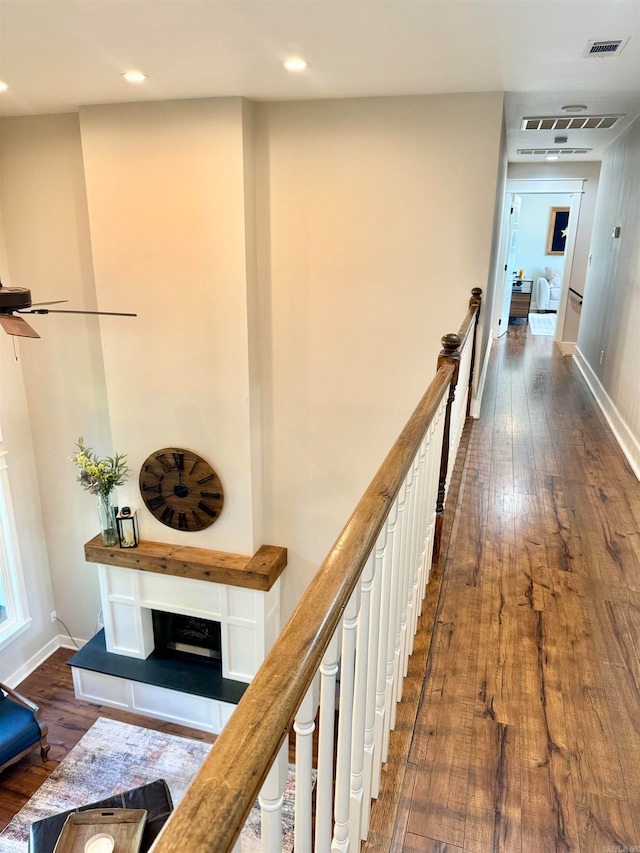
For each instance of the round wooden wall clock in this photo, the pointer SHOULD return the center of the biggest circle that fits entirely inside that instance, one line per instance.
(181, 489)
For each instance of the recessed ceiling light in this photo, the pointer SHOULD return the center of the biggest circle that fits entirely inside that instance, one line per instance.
(552, 157)
(296, 63)
(574, 108)
(3, 86)
(134, 76)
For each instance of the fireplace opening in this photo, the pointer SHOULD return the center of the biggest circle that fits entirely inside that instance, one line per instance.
(181, 636)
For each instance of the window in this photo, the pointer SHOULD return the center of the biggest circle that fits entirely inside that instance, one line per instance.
(14, 617)
(3, 604)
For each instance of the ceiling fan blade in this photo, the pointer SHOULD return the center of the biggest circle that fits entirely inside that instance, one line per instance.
(53, 302)
(17, 326)
(69, 311)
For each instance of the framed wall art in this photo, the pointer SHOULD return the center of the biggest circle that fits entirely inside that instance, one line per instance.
(558, 228)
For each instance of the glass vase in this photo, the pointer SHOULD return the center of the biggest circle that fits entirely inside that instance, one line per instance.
(107, 518)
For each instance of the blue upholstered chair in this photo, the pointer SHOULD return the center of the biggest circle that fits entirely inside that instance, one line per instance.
(21, 728)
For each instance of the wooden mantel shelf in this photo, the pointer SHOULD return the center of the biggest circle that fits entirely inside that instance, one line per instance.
(258, 572)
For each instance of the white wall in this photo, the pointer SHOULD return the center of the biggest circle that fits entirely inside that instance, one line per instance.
(532, 233)
(365, 204)
(608, 338)
(47, 250)
(290, 337)
(166, 186)
(491, 293)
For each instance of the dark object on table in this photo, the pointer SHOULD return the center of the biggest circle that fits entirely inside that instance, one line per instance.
(21, 728)
(154, 797)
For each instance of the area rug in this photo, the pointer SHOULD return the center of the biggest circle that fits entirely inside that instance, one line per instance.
(113, 757)
(542, 324)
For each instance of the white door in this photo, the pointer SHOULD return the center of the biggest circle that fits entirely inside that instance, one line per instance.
(510, 270)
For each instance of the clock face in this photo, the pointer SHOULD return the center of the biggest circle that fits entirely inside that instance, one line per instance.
(181, 489)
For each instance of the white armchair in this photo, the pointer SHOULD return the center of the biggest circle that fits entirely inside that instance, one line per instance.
(548, 291)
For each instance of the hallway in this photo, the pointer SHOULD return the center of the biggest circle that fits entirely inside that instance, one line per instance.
(528, 734)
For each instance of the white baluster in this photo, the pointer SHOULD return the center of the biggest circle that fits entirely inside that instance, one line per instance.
(387, 645)
(372, 680)
(270, 798)
(304, 727)
(326, 723)
(436, 447)
(435, 477)
(360, 703)
(415, 598)
(459, 408)
(435, 474)
(398, 595)
(405, 548)
(423, 525)
(340, 843)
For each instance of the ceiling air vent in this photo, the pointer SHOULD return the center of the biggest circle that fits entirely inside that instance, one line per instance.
(608, 47)
(545, 151)
(602, 122)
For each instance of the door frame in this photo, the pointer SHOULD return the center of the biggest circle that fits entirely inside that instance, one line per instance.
(507, 292)
(528, 186)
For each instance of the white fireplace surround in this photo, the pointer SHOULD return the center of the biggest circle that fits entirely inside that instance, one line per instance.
(247, 617)
(249, 620)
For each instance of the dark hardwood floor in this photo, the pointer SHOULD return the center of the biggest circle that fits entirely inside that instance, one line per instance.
(524, 734)
(527, 732)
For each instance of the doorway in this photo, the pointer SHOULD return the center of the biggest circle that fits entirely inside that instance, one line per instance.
(530, 212)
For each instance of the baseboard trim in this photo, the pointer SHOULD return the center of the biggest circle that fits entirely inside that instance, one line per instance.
(33, 663)
(476, 399)
(566, 347)
(67, 643)
(629, 444)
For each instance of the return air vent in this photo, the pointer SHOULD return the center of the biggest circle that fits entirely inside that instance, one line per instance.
(544, 151)
(608, 47)
(604, 122)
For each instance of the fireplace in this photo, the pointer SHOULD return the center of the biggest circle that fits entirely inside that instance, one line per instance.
(179, 636)
(185, 630)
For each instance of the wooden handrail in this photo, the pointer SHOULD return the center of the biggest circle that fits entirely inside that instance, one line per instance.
(214, 809)
(575, 293)
(217, 803)
(469, 323)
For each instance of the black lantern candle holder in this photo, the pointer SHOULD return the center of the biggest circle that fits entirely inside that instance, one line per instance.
(127, 522)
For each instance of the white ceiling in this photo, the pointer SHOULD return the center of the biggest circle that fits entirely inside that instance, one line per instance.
(57, 55)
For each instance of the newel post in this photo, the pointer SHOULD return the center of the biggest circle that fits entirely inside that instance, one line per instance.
(450, 354)
(475, 301)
